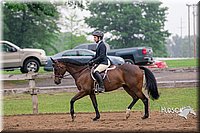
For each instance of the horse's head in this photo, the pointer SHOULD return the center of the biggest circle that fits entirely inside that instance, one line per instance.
(59, 71)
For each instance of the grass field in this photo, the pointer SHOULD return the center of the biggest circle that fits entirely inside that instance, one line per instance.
(182, 63)
(111, 101)
(17, 71)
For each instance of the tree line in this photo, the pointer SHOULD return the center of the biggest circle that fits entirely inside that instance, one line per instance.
(131, 24)
(181, 47)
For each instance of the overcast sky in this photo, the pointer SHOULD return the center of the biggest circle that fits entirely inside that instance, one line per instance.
(177, 11)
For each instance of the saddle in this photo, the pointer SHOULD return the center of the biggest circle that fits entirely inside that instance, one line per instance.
(104, 73)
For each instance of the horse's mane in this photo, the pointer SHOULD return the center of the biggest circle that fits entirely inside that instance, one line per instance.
(71, 61)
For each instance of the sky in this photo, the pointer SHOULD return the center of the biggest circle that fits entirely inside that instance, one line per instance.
(177, 11)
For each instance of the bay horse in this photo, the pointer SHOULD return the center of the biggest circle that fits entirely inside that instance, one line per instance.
(128, 76)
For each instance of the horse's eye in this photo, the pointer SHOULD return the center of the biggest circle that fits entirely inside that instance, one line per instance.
(53, 65)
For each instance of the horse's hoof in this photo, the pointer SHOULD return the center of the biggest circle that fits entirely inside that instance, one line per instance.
(145, 117)
(96, 118)
(128, 113)
(73, 117)
(127, 116)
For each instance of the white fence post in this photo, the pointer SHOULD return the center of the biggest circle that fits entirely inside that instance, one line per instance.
(33, 92)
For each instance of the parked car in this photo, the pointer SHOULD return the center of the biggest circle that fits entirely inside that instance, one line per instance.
(81, 55)
(25, 59)
(90, 46)
(133, 55)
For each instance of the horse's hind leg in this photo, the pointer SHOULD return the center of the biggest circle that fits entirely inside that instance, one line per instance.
(135, 99)
(137, 94)
(95, 105)
(132, 94)
(145, 101)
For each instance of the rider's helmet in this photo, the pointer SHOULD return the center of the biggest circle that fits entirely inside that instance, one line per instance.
(98, 33)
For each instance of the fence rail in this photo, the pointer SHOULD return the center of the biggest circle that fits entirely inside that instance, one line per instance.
(27, 76)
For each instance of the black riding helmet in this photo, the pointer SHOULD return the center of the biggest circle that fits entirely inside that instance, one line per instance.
(98, 33)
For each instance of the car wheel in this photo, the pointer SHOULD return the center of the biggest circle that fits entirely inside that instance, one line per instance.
(30, 65)
(128, 61)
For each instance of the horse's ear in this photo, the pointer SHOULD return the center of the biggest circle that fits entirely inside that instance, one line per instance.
(52, 60)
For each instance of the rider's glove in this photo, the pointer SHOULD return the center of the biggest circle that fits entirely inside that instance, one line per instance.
(91, 63)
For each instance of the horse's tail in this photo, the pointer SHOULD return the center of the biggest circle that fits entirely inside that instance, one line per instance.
(151, 84)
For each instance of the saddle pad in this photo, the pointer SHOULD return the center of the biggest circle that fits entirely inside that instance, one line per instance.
(104, 73)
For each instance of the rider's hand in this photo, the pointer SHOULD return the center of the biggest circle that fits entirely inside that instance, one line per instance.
(91, 63)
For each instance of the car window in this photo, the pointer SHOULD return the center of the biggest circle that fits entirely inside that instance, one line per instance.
(70, 53)
(6, 48)
(81, 47)
(84, 53)
(92, 47)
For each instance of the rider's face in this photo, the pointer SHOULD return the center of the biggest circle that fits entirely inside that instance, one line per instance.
(96, 39)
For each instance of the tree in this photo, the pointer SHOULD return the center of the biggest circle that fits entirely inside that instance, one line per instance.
(179, 47)
(131, 24)
(64, 42)
(72, 22)
(30, 24)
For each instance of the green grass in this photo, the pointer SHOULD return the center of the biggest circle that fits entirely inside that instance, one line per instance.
(182, 63)
(17, 71)
(112, 101)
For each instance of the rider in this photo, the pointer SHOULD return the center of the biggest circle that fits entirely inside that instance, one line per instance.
(100, 59)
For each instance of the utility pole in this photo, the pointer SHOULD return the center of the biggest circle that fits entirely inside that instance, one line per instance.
(194, 36)
(194, 5)
(189, 28)
(181, 28)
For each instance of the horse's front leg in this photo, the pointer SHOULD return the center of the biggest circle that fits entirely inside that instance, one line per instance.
(95, 105)
(76, 97)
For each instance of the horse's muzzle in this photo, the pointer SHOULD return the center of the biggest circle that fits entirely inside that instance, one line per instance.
(57, 82)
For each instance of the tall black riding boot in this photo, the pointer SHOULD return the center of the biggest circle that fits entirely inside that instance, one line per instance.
(99, 79)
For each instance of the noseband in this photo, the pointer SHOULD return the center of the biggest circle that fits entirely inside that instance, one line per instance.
(59, 76)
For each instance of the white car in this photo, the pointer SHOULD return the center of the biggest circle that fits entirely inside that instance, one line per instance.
(26, 59)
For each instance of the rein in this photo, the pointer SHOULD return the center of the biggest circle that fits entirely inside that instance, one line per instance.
(64, 76)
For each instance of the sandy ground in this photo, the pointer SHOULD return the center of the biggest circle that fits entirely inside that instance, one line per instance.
(115, 121)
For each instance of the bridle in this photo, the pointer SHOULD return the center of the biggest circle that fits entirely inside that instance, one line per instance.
(60, 76)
